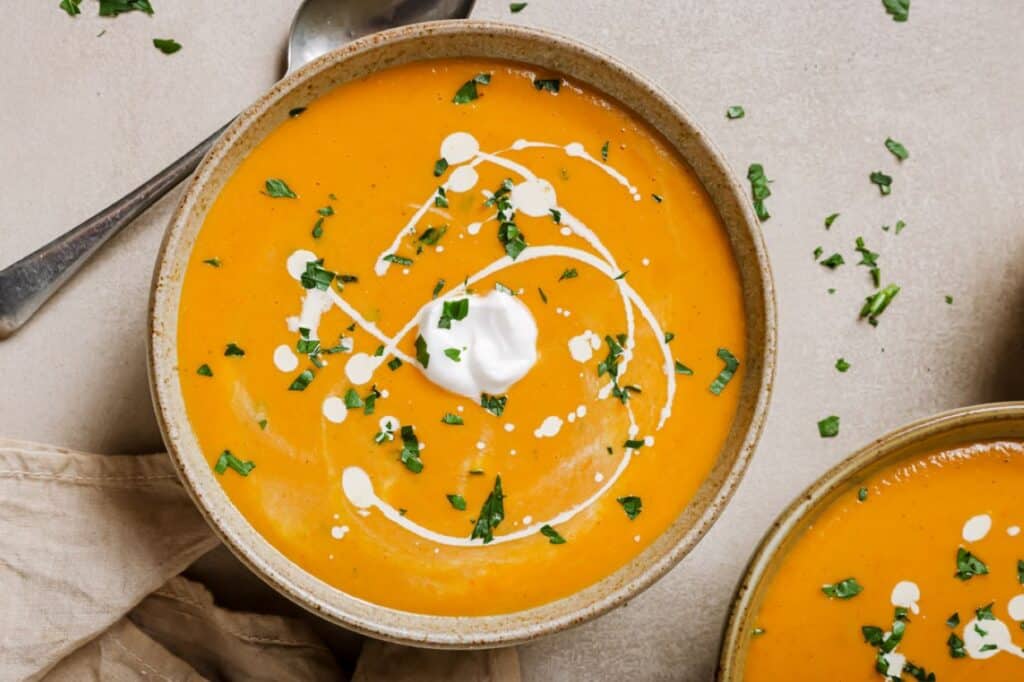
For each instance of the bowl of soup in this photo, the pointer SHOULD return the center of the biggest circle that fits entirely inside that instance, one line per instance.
(905, 562)
(462, 334)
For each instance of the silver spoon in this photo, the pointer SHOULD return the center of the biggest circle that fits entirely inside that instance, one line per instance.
(319, 26)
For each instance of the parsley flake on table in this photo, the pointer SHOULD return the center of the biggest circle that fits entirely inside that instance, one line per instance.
(830, 219)
(111, 8)
(552, 535)
(876, 304)
(276, 188)
(844, 589)
(759, 190)
(883, 181)
(517, 7)
(166, 45)
(842, 365)
(735, 112)
(468, 92)
(229, 461)
(71, 7)
(632, 505)
(968, 565)
(727, 373)
(899, 10)
(897, 149)
(829, 427)
(492, 513)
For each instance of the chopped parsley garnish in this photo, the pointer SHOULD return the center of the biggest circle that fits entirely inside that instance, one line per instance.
(734, 112)
(440, 166)
(876, 304)
(669, 336)
(352, 399)
(71, 7)
(830, 219)
(262, 424)
(214, 262)
(727, 373)
(277, 188)
(166, 45)
(495, 404)
(326, 211)
(844, 589)
(968, 565)
(509, 234)
(296, 112)
(454, 353)
(552, 85)
(899, 10)
(543, 297)
(556, 215)
(862, 494)
(229, 461)
(422, 356)
(953, 620)
(498, 286)
(897, 149)
(394, 363)
(452, 419)
(759, 190)
(233, 350)
(453, 310)
(621, 275)
(517, 7)
(437, 288)
(492, 513)
(398, 260)
(833, 261)
(302, 381)
(956, 646)
(842, 365)
(379, 352)
(316, 276)
(468, 92)
(552, 535)
(883, 181)
(985, 612)
(604, 151)
(457, 502)
(568, 273)
(829, 427)
(204, 371)
(441, 198)
(385, 434)
(610, 366)
(1020, 571)
(514, 240)
(432, 235)
(410, 454)
(318, 228)
(633, 444)
(683, 369)
(632, 505)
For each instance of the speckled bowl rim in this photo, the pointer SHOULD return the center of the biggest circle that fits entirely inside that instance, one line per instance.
(945, 429)
(546, 51)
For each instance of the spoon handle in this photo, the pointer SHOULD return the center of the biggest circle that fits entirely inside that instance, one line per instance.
(29, 283)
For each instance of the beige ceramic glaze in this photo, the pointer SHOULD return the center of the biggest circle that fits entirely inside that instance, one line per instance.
(965, 426)
(443, 40)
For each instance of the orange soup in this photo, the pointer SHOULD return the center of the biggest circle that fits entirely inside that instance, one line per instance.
(913, 574)
(460, 338)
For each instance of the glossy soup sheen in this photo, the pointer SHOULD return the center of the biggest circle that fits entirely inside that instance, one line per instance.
(367, 150)
(912, 542)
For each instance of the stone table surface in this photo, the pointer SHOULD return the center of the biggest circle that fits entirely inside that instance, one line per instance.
(90, 109)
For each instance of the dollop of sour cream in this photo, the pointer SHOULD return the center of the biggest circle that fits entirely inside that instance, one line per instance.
(496, 344)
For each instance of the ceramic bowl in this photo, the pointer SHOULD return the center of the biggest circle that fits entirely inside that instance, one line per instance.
(446, 40)
(997, 421)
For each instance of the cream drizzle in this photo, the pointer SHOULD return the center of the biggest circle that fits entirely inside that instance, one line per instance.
(534, 197)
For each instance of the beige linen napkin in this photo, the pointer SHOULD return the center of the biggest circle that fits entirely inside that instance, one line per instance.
(90, 551)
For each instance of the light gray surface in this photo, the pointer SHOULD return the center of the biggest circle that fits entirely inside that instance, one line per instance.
(84, 118)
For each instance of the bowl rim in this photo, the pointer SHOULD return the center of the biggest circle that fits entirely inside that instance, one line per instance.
(790, 521)
(451, 631)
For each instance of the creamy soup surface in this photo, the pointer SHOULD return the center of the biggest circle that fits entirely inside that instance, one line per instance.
(461, 338)
(916, 573)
